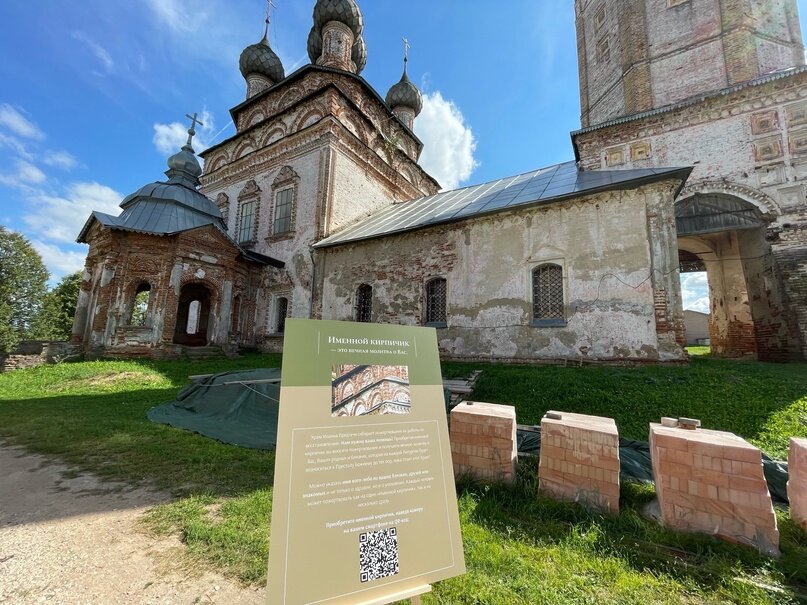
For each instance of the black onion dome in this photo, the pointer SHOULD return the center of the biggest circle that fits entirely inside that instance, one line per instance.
(314, 44)
(261, 59)
(359, 55)
(405, 93)
(344, 11)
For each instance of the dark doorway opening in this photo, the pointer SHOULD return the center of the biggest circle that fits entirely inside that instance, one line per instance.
(193, 316)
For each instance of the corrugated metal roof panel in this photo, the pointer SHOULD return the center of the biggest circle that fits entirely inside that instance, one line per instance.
(540, 186)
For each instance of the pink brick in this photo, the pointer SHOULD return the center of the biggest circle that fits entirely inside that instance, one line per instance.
(483, 440)
(797, 481)
(580, 460)
(722, 491)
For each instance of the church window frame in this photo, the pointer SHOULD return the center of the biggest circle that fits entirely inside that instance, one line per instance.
(435, 293)
(140, 315)
(283, 210)
(548, 288)
(603, 49)
(363, 305)
(249, 206)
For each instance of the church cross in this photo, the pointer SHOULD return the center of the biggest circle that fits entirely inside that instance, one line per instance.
(406, 51)
(192, 129)
(269, 6)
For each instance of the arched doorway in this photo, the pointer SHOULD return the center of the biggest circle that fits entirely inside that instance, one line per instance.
(193, 315)
(723, 236)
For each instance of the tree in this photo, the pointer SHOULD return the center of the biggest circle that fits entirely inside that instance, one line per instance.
(23, 283)
(55, 319)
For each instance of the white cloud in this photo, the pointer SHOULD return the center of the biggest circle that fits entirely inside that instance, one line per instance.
(60, 260)
(179, 15)
(448, 143)
(17, 123)
(695, 291)
(25, 174)
(169, 138)
(60, 218)
(15, 145)
(60, 159)
(98, 51)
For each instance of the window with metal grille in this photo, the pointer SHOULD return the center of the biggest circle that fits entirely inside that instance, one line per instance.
(282, 311)
(246, 225)
(547, 295)
(283, 207)
(364, 303)
(436, 302)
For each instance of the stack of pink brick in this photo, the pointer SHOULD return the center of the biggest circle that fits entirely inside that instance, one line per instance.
(580, 460)
(797, 481)
(483, 440)
(713, 482)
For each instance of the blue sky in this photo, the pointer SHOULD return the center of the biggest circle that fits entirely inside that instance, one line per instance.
(94, 93)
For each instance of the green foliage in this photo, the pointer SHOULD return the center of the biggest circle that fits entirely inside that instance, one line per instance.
(23, 283)
(519, 549)
(55, 319)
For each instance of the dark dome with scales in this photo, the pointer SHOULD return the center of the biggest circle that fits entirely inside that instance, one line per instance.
(405, 94)
(344, 11)
(358, 54)
(261, 59)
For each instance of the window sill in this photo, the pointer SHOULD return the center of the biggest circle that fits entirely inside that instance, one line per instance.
(279, 237)
(436, 324)
(548, 323)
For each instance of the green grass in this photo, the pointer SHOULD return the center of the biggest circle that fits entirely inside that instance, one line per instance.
(519, 548)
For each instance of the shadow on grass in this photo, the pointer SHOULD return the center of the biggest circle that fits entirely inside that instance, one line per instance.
(516, 513)
(110, 436)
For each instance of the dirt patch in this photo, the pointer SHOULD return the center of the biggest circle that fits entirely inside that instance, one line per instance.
(107, 380)
(69, 538)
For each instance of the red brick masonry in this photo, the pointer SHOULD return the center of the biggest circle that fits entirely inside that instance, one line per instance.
(580, 460)
(797, 483)
(483, 440)
(713, 482)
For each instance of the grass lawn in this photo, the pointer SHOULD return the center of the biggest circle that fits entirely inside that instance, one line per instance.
(519, 549)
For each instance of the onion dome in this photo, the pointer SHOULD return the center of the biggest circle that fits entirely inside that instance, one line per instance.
(344, 11)
(360, 54)
(405, 94)
(260, 59)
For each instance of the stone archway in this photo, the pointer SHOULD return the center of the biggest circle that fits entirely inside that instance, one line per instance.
(724, 236)
(193, 315)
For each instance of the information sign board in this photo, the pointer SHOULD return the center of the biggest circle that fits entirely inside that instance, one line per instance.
(364, 504)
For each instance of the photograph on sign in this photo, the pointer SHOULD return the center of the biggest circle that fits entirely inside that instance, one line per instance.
(361, 390)
(364, 486)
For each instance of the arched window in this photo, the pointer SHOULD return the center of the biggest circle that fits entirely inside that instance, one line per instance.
(282, 310)
(364, 303)
(436, 302)
(194, 310)
(141, 305)
(547, 295)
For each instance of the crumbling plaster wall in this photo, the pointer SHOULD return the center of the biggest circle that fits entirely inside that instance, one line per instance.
(751, 144)
(118, 262)
(613, 301)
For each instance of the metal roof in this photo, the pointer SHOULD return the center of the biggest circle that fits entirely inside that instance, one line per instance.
(544, 186)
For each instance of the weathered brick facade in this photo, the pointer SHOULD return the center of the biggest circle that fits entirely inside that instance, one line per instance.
(707, 102)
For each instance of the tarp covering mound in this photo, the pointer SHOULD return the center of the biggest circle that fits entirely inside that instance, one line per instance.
(238, 407)
(241, 408)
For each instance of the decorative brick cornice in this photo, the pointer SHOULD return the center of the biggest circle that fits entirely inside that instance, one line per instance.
(765, 203)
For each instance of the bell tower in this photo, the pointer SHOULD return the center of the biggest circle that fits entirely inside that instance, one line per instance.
(638, 55)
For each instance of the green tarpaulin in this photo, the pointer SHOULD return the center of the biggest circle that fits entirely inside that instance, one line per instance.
(234, 407)
(241, 408)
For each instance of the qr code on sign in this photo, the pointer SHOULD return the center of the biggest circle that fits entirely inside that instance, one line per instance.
(378, 554)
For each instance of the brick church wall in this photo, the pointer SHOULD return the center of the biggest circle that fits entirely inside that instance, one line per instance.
(487, 265)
